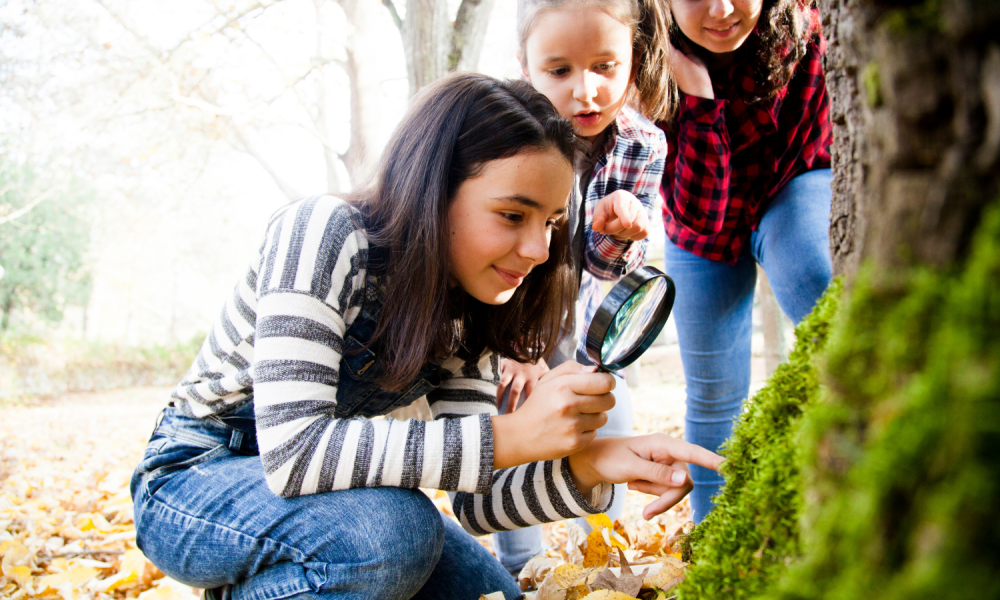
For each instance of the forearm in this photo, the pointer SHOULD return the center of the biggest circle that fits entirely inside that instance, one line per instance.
(534, 493)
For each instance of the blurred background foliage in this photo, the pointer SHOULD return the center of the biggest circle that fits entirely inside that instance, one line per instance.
(143, 145)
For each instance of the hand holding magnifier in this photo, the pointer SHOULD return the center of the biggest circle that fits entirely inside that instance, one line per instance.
(629, 319)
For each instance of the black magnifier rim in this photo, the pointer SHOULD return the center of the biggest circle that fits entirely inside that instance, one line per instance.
(614, 302)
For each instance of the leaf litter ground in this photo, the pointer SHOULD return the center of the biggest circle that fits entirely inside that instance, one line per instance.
(66, 526)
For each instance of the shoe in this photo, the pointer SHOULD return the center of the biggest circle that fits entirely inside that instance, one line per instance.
(219, 593)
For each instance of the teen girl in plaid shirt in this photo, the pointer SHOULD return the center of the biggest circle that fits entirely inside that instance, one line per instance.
(596, 60)
(747, 182)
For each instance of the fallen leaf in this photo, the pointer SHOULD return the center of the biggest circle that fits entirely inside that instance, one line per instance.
(595, 553)
(608, 595)
(75, 577)
(672, 572)
(627, 582)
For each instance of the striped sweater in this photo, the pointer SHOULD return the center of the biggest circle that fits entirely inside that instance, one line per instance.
(279, 341)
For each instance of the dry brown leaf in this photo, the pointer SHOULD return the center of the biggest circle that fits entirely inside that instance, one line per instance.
(627, 582)
(672, 572)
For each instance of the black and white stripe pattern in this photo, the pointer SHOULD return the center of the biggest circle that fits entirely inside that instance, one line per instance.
(529, 494)
(280, 338)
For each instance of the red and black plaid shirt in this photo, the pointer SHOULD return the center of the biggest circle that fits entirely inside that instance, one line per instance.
(727, 158)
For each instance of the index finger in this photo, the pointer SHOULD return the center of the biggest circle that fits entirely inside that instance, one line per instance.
(623, 210)
(692, 454)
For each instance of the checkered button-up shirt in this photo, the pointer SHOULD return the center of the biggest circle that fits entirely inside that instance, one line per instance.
(727, 158)
(630, 159)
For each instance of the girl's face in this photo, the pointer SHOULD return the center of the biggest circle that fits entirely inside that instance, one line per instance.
(502, 220)
(581, 59)
(719, 26)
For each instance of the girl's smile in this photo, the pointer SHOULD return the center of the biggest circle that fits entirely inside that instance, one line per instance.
(501, 222)
(719, 26)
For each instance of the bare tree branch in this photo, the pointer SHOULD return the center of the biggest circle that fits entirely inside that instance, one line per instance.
(468, 34)
(394, 14)
(31, 204)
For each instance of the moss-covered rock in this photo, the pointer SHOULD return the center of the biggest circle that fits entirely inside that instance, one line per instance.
(745, 542)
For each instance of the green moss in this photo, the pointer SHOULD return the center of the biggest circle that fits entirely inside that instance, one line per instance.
(884, 482)
(745, 542)
(873, 84)
(903, 458)
(925, 16)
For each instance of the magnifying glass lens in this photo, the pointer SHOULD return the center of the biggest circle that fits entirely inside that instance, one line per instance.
(633, 321)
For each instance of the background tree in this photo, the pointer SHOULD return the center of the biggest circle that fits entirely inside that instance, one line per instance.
(44, 233)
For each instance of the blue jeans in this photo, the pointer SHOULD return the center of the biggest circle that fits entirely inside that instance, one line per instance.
(205, 516)
(515, 548)
(713, 310)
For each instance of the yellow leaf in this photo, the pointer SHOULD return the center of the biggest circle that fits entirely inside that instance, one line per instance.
(22, 574)
(570, 576)
(595, 553)
(163, 592)
(608, 595)
(130, 571)
(74, 577)
(672, 572)
(93, 521)
(612, 539)
(601, 521)
(14, 553)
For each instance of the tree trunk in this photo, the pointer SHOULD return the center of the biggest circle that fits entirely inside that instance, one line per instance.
(425, 41)
(915, 90)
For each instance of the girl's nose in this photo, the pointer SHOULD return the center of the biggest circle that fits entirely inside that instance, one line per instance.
(720, 9)
(585, 87)
(534, 245)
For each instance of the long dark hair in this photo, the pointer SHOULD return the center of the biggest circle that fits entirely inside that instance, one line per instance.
(453, 128)
(776, 46)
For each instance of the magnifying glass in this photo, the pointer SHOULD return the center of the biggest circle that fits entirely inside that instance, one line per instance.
(629, 319)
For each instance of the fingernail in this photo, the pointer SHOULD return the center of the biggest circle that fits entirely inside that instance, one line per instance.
(678, 477)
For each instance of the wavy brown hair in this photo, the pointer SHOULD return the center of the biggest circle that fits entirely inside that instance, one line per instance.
(652, 94)
(776, 46)
(452, 130)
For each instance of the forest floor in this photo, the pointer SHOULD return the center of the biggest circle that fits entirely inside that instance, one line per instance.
(65, 513)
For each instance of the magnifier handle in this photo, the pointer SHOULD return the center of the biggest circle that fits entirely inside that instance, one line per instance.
(603, 369)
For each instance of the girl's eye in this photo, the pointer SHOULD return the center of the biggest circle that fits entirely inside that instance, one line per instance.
(558, 72)
(608, 66)
(512, 217)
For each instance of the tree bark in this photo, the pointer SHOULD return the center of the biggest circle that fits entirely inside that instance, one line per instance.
(469, 33)
(915, 90)
(425, 41)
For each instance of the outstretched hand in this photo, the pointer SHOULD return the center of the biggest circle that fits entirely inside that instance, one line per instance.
(622, 216)
(653, 464)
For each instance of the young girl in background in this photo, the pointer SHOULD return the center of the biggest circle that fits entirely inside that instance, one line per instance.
(747, 182)
(267, 477)
(598, 61)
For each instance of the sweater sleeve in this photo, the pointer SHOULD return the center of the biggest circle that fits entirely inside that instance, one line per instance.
(312, 278)
(696, 185)
(521, 496)
(634, 167)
